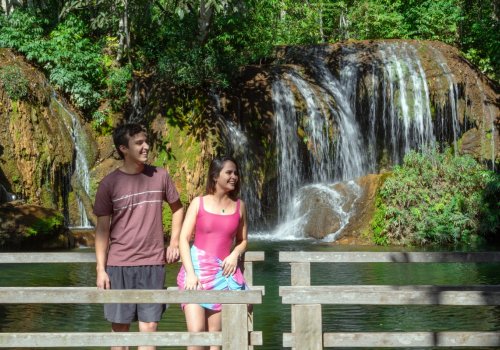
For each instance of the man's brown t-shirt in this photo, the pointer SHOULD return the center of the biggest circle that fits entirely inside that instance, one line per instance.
(134, 202)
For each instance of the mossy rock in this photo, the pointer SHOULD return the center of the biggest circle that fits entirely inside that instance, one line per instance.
(25, 226)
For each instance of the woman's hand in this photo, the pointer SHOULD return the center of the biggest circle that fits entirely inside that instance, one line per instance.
(230, 264)
(192, 282)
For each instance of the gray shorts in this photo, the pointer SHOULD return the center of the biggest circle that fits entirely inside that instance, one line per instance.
(135, 277)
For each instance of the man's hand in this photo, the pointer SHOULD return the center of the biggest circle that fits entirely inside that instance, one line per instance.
(172, 254)
(102, 280)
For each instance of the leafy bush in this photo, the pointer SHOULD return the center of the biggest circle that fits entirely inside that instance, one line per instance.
(436, 198)
(72, 61)
(46, 226)
(117, 81)
(14, 82)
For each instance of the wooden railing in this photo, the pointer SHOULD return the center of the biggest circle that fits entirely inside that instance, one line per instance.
(237, 320)
(306, 301)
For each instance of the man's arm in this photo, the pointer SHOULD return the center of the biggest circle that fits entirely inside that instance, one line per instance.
(177, 218)
(101, 251)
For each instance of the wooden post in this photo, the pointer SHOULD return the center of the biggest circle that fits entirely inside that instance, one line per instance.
(234, 327)
(301, 274)
(307, 327)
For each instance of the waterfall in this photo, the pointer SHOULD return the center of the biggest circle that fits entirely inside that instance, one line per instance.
(80, 164)
(452, 96)
(487, 111)
(409, 115)
(239, 147)
(316, 131)
(350, 160)
(287, 145)
(393, 118)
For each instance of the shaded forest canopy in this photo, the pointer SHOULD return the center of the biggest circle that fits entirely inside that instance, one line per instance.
(91, 49)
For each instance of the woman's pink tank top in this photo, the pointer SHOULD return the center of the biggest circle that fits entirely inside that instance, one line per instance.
(214, 233)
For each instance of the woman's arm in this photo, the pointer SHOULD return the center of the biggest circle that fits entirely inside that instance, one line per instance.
(230, 263)
(187, 229)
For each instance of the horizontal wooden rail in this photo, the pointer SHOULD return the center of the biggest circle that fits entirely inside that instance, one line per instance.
(392, 295)
(237, 320)
(77, 340)
(306, 301)
(405, 339)
(92, 295)
(389, 257)
(75, 257)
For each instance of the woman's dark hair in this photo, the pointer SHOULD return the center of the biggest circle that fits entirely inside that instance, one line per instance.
(214, 170)
(122, 134)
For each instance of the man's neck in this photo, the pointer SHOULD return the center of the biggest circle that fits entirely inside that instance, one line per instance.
(132, 167)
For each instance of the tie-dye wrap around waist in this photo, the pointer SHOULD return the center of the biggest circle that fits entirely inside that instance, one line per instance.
(208, 268)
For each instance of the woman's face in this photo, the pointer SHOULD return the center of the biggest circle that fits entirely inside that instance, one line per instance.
(228, 177)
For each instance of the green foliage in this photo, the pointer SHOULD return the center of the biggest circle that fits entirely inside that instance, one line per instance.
(375, 19)
(14, 82)
(102, 122)
(23, 31)
(45, 226)
(433, 20)
(116, 83)
(70, 58)
(436, 198)
(74, 62)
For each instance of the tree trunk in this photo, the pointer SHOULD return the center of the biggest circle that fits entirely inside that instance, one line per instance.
(124, 33)
(8, 6)
(204, 21)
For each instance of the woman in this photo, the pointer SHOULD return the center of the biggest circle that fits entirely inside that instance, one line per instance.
(218, 220)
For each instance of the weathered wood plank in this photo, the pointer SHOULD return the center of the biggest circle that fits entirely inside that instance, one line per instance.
(255, 338)
(411, 339)
(392, 295)
(76, 257)
(78, 340)
(307, 327)
(234, 327)
(92, 295)
(300, 274)
(398, 257)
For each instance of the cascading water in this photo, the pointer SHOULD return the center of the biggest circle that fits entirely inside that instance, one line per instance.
(396, 120)
(239, 147)
(80, 164)
(452, 96)
(287, 144)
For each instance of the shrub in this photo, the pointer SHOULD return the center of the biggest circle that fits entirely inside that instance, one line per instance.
(14, 82)
(117, 81)
(436, 198)
(45, 226)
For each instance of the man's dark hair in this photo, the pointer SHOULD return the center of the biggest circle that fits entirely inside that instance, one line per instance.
(214, 170)
(122, 134)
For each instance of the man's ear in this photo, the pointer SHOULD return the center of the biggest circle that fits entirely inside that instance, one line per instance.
(123, 148)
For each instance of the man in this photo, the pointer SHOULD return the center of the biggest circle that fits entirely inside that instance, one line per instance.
(129, 240)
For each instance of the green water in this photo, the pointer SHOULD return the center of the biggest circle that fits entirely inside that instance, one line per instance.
(272, 318)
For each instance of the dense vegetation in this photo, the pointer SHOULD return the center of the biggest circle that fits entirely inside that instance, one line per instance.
(90, 49)
(437, 198)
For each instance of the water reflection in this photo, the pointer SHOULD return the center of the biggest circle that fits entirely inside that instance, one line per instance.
(271, 317)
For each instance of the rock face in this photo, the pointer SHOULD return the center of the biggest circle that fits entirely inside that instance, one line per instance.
(35, 156)
(38, 158)
(24, 226)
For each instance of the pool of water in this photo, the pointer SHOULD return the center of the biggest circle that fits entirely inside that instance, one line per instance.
(272, 318)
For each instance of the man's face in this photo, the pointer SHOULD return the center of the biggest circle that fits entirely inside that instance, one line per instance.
(138, 148)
